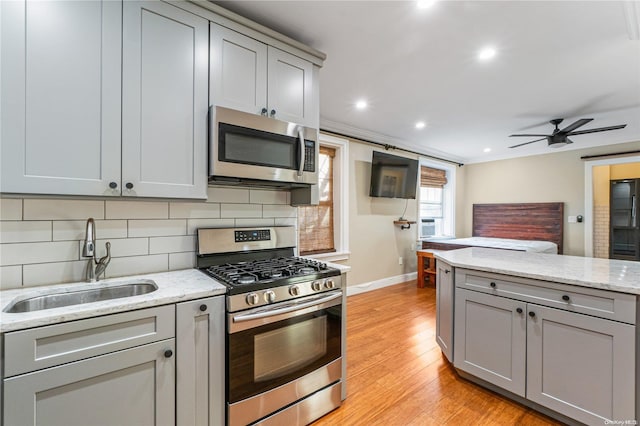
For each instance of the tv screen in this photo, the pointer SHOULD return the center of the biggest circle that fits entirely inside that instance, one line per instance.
(393, 176)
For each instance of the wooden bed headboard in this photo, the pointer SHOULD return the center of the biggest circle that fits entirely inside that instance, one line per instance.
(520, 221)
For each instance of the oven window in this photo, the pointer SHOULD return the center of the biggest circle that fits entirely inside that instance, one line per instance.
(284, 350)
(248, 146)
(267, 356)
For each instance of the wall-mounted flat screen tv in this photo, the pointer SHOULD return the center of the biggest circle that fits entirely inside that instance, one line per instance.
(393, 176)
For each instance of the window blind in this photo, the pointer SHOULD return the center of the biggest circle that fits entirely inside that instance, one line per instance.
(432, 178)
(315, 223)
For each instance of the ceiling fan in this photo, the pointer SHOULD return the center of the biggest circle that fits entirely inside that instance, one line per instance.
(560, 137)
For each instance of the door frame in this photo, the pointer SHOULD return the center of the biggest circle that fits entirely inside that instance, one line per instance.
(588, 195)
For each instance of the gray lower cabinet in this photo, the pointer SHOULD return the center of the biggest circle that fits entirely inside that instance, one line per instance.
(575, 364)
(444, 308)
(129, 387)
(200, 362)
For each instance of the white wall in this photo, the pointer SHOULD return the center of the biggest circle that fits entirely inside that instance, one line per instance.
(40, 237)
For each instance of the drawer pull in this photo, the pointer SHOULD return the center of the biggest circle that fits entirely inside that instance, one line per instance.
(532, 314)
(168, 353)
(493, 285)
(519, 310)
(565, 298)
(203, 307)
(446, 271)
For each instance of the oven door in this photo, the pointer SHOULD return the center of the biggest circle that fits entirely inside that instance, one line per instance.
(249, 146)
(279, 354)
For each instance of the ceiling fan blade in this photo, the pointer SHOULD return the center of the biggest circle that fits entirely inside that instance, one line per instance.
(599, 129)
(527, 143)
(575, 125)
(529, 135)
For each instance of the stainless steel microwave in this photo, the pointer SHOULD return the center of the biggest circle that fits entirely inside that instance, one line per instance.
(249, 148)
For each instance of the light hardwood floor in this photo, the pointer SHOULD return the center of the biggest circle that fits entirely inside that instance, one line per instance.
(397, 375)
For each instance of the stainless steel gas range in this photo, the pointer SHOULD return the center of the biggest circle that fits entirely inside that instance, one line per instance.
(284, 326)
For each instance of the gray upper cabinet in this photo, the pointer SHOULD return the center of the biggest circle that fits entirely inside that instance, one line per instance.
(164, 105)
(97, 100)
(61, 67)
(251, 76)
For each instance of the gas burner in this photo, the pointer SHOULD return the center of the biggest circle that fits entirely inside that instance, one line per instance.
(246, 279)
(306, 270)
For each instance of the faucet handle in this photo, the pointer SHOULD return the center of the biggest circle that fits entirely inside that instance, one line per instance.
(101, 267)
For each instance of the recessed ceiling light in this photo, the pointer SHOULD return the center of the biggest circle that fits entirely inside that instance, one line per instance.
(420, 125)
(425, 4)
(487, 150)
(487, 53)
(361, 104)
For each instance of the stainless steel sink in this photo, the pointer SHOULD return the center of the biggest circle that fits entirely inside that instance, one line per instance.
(89, 295)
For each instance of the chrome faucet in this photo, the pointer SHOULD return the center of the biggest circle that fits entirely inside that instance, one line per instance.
(95, 267)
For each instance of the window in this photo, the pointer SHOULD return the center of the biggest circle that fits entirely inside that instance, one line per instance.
(322, 229)
(436, 206)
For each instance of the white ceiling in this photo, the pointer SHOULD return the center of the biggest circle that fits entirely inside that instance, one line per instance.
(555, 59)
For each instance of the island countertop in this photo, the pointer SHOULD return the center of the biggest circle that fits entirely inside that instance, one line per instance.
(606, 274)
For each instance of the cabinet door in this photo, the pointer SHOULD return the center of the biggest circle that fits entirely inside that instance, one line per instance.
(490, 339)
(290, 88)
(444, 308)
(165, 106)
(200, 369)
(238, 71)
(581, 366)
(60, 122)
(130, 387)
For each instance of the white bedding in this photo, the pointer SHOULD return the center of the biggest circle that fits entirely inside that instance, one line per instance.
(504, 243)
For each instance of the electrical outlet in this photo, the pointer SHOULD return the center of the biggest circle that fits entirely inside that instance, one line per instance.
(400, 261)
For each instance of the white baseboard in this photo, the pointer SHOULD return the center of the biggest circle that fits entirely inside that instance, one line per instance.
(385, 282)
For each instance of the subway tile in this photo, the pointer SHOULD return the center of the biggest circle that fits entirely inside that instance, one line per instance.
(64, 230)
(54, 273)
(135, 265)
(182, 260)
(137, 210)
(286, 221)
(240, 210)
(194, 224)
(48, 209)
(10, 208)
(217, 194)
(26, 253)
(172, 244)
(269, 210)
(253, 222)
(120, 247)
(10, 277)
(157, 228)
(25, 232)
(265, 196)
(194, 210)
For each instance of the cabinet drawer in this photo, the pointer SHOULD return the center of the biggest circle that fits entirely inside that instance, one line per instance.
(599, 303)
(37, 348)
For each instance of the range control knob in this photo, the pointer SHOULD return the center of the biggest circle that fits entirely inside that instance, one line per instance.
(329, 284)
(252, 299)
(316, 285)
(294, 290)
(269, 296)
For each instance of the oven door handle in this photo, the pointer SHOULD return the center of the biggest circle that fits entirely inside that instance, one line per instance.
(291, 308)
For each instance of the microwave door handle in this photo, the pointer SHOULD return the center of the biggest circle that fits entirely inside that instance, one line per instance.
(301, 155)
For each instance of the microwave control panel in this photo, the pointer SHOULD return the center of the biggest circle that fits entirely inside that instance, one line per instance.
(309, 156)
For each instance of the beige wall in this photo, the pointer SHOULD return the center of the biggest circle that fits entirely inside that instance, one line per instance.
(554, 177)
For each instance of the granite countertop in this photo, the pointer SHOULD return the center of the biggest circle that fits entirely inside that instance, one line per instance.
(174, 286)
(607, 274)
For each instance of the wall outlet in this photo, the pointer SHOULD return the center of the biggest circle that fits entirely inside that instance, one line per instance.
(573, 219)
(400, 261)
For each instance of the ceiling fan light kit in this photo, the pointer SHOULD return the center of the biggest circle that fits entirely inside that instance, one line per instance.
(560, 137)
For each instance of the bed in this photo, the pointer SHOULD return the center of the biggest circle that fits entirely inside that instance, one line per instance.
(534, 227)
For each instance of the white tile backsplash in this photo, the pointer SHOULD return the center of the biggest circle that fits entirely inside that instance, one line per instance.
(137, 210)
(46, 209)
(40, 238)
(10, 277)
(10, 209)
(24, 232)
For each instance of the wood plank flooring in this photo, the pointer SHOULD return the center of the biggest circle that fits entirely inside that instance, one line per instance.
(397, 375)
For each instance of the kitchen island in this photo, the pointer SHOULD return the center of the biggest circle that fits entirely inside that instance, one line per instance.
(557, 333)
